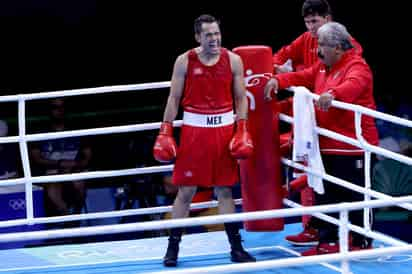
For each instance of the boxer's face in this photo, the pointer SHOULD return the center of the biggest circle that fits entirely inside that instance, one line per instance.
(314, 22)
(210, 38)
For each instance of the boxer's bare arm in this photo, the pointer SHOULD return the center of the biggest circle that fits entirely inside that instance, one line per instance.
(176, 88)
(239, 90)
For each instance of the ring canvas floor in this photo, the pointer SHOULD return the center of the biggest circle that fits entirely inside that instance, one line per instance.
(197, 250)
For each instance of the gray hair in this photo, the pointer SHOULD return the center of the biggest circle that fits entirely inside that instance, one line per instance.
(335, 34)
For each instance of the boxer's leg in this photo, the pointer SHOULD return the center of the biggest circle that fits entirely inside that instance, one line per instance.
(226, 206)
(180, 209)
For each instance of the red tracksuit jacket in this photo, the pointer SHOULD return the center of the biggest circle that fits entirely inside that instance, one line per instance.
(303, 52)
(349, 80)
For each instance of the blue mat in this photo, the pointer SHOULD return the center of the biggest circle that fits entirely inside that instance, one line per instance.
(197, 250)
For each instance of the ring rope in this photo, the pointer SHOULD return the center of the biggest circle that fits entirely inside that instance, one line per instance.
(385, 200)
(187, 222)
(278, 263)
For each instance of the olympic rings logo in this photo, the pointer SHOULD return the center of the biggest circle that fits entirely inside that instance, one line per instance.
(17, 204)
(85, 253)
(399, 258)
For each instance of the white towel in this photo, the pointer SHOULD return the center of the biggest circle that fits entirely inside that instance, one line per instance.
(306, 141)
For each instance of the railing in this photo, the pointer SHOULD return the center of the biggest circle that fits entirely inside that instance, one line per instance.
(23, 138)
(359, 142)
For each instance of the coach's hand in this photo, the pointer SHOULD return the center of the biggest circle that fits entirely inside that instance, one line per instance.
(325, 101)
(164, 149)
(271, 85)
(241, 145)
(286, 67)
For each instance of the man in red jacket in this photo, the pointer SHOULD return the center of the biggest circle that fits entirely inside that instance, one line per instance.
(302, 52)
(207, 82)
(299, 55)
(345, 76)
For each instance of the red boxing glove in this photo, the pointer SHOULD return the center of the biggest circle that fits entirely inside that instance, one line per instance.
(241, 145)
(164, 149)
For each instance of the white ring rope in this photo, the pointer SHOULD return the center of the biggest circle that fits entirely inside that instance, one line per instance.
(372, 234)
(375, 149)
(195, 221)
(319, 211)
(270, 264)
(344, 183)
(110, 214)
(84, 91)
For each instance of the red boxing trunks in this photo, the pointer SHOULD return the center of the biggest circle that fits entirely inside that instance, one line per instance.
(203, 157)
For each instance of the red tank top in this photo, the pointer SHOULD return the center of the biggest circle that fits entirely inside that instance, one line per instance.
(208, 89)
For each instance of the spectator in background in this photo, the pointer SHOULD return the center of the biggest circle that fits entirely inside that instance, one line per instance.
(10, 166)
(134, 151)
(392, 136)
(59, 156)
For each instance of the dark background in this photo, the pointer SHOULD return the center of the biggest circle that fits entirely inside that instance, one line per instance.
(48, 45)
(53, 45)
